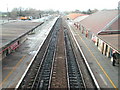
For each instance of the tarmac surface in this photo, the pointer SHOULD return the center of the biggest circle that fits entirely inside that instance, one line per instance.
(3, 21)
(105, 73)
(14, 65)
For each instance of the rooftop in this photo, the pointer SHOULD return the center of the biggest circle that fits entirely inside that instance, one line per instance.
(75, 15)
(97, 21)
(79, 18)
(114, 25)
(112, 40)
(13, 30)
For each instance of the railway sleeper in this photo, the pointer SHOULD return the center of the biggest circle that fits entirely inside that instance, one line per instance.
(75, 80)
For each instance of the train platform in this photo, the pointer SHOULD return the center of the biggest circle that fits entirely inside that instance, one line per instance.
(104, 72)
(3, 21)
(15, 64)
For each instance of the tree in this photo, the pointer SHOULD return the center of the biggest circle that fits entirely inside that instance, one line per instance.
(89, 11)
(18, 12)
(77, 11)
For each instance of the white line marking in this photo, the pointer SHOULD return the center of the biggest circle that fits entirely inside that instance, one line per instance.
(33, 58)
(94, 79)
(103, 79)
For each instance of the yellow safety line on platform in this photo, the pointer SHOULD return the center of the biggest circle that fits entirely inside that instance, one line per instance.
(99, 64)
(11, 71)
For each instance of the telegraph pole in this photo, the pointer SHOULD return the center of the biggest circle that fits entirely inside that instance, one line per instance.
(7, 13)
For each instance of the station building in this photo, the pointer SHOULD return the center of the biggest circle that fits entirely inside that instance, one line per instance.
(103, 29)
(14, 34)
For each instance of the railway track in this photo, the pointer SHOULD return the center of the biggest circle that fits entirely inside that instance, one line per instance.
(55, 65)
(59, 72)
(39, 72)
(74, 73)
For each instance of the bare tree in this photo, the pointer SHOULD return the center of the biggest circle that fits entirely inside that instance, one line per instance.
(18, 12)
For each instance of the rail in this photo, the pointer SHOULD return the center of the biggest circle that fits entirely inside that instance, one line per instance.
(89, 69)
(33, 59)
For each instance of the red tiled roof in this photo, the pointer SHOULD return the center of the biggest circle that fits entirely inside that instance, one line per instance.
(97, 21)
(74, 15)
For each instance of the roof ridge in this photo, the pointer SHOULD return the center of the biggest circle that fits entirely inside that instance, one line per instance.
(110, 23)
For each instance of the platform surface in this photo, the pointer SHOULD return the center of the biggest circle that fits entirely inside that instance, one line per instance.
(105, 73)
(14, 65)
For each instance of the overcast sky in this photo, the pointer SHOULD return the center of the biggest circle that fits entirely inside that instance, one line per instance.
(61, 5)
